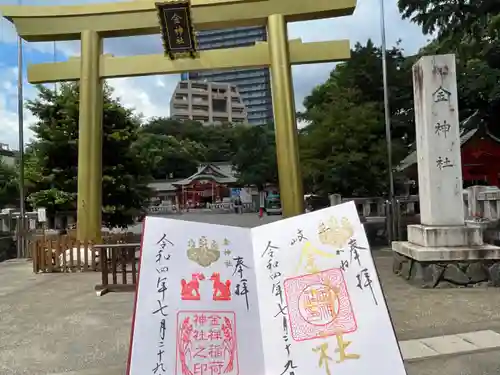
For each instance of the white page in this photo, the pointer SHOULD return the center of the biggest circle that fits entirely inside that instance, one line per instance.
(323, 308)
(208, 337)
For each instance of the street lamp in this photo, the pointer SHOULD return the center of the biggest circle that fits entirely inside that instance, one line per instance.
(387, 119)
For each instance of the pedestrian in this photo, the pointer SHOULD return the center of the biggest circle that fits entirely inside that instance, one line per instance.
(261, 212)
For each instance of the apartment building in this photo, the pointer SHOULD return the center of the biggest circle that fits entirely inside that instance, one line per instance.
(253, 84)
(207, 102)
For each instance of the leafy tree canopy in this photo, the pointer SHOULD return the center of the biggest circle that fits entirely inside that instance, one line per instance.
(51, 165)
(343, 149)
(363, 72)
(173, 149)
(456, 22)
(168, 157)
(218, 140)
(255, 158)
(9, 185)
(470, 29)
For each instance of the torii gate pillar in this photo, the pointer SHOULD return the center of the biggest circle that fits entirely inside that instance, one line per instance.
(89, 219)
(287, 145)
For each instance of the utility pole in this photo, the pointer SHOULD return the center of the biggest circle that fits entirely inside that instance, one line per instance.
(387, 111)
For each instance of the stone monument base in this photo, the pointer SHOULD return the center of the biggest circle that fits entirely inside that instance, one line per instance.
(445, 236)
(444, 257)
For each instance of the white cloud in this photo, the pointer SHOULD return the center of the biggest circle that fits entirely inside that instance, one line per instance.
(151, 95)
(9, 129)
(148, 95)
(7, 31)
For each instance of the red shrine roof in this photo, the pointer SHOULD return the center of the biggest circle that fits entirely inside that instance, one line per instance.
(222, 173)
(209, 172)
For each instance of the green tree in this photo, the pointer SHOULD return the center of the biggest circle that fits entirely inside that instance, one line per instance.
(218, 141)
(9, 186)
(222, 141)
(456, 22)
(255, 158)
(363, 72)
(344, 146)
(343, 150)
(168, 157)
(471, 30)
(52, 157)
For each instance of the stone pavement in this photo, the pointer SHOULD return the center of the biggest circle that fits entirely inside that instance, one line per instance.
(247, 220)
(449, 344)
(472, 344)
(54, 323)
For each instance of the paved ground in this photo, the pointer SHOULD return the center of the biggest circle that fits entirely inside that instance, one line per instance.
(243, 220)
(54, 323)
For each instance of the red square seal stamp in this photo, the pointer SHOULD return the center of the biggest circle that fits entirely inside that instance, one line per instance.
(319, 305)
(206, 343)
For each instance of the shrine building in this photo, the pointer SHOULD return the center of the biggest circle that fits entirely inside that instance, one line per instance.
(211, 183)
(480, 150)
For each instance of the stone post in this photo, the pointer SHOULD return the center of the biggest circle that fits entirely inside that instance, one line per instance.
(439, 158)
(438, 141)
(335, 199)
(435, 246)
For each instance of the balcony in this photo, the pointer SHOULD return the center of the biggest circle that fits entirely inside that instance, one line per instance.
(180, 117)
(182, 89)
(199, 87)
(200, 101)
(202, 119)
(224, 115)
(239, 115)
(237, 104)
(180, 111)
(201, 113)
(218, 95)
(180, 103)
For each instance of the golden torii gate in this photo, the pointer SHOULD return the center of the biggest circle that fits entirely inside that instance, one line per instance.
(93, 22)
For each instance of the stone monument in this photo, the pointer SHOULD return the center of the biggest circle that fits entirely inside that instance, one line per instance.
(442, 250)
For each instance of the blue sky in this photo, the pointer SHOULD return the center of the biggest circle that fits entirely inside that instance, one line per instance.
(8, 60)
(151, 95)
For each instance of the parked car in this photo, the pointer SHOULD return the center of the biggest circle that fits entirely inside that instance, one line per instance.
(272, 204)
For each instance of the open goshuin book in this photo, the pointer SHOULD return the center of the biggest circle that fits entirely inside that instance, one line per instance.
(297, 296)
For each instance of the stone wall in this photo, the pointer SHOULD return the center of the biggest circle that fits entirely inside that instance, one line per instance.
(476, 273)
(481, 208)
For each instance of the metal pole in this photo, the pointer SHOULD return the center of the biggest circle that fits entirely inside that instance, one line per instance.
(20, 247)
(55, 60)
(387, 112)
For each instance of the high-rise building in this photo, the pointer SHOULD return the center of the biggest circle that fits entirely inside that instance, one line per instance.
(207, 102)
(253, 85)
